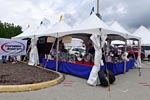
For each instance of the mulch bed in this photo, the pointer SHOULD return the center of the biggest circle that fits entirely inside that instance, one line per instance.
(21, 73)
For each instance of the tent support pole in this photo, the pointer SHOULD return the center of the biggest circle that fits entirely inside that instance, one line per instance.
(27, 53)
(125, 60)
(57, 53)
(139, 57)
(49, 53)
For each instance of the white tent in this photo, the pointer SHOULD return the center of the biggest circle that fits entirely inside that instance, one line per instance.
(59, 27)
(98, 29)
(129, 36)
(26, 33)
(144, 33)
(31, 33)
(117, 27)
(91, 25)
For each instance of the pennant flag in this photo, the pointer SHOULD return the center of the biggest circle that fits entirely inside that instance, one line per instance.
(60, 18)
(28, 26)
(92, 10)
(41, 22)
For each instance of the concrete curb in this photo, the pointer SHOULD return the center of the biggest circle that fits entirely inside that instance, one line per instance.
(30, 87)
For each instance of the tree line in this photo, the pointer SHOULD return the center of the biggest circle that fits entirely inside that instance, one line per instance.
(8, 30)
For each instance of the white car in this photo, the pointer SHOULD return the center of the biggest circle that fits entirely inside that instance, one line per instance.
(146, 49)
(77, 51)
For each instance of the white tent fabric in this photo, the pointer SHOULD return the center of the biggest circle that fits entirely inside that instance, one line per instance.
(34, 57)
(26, 33)
(33, 31)
(56, 28)
(117, 27)
(93, 78)
(144, 33)
(91, 25)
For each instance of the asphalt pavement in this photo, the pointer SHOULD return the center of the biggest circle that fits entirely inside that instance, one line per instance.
(128, 86)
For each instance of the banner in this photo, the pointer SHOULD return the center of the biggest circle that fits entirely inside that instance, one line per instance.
(66, 39)
(50, 39)
(12, 47)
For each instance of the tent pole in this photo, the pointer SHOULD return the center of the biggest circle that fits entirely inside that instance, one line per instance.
(57, 53)
(50, 52)
(125, 60)
(139, 57)
(98, 14)
(27, 53)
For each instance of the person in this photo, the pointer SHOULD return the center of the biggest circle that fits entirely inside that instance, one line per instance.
(63, 49)
(53, 51)
(4, 59)
(14, 60)
(91, 49)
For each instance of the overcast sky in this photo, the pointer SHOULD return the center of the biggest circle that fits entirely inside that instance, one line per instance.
(129, 13)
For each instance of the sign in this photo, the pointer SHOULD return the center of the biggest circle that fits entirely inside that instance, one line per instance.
(12, 47)
(67, 39)
(50, 39)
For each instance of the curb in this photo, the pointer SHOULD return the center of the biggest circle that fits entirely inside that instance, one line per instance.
(30, 87)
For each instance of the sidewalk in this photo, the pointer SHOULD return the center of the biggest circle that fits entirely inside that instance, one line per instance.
(128, 86)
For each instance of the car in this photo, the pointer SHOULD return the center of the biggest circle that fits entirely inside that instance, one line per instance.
(77, 51)
(132, 51)
(146, 50)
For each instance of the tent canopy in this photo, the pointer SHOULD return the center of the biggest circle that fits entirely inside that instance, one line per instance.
(117, 27)
(144, 33)
(26, 33)
(32, 31)
(91, 25)
(60, 27)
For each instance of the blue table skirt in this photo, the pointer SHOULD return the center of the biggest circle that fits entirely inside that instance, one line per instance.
(84, 70)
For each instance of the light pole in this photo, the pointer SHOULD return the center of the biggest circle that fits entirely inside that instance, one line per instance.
(98, 14)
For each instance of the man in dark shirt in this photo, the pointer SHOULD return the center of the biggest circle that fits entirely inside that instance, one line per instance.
(91, 49)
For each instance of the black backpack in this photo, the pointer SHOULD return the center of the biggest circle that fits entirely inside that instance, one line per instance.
(104, 79)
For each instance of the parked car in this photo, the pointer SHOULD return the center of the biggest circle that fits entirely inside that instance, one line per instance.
(132, 51)
(77, 51)
(146, 50)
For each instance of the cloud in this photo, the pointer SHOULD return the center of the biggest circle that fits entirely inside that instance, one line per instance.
(129, 13)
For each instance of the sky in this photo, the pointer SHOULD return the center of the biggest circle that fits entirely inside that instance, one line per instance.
(129, 13)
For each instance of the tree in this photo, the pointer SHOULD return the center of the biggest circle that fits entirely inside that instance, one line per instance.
(8, 30)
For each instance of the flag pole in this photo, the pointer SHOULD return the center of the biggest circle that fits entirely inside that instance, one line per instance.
(98, 14)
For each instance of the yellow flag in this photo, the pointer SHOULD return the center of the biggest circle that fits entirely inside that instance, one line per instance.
(28, 26)
(60, 18)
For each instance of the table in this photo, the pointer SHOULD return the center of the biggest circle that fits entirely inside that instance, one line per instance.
(82, 70)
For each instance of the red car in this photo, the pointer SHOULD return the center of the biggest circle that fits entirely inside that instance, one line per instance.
(132, 51)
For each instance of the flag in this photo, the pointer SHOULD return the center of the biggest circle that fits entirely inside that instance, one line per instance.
(92, 10)
(41, 22)
(60, 18)
(28, 26)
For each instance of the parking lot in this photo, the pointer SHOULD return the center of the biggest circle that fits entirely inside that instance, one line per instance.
(128, 86)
